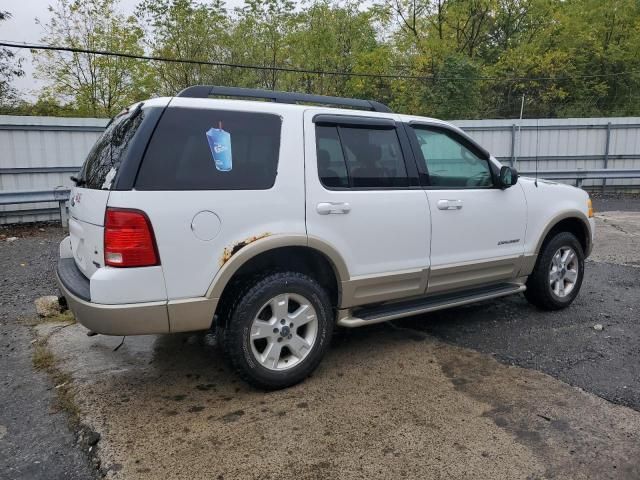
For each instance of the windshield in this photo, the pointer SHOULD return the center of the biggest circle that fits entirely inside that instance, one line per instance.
(103, 161)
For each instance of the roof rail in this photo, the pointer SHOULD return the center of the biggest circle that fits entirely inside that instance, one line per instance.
(205, 91)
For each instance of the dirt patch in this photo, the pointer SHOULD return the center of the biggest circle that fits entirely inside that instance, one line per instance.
(382, 405)
(561, 427)
(617, 238)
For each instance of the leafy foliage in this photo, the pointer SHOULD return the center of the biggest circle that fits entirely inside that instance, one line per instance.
(98, 85)
(10, 68)
(467, 58)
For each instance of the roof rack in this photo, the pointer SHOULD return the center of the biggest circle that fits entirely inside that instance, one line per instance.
(205, 91)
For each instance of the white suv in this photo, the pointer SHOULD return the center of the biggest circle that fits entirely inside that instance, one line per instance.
(273, 221)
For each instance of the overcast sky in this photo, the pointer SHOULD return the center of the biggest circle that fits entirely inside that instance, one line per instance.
(23, 28)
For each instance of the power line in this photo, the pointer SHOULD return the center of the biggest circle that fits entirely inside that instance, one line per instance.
(34, 46)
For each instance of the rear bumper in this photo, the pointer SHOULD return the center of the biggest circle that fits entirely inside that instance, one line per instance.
(121, 319)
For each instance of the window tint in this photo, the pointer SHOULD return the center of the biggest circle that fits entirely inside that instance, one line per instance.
(103, 161)
(200, 149)
(331, 166)
(450, 163)
(360, 157)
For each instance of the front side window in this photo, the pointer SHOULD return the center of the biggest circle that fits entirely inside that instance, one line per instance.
(451, 163)
(203, 149)
(359, 157)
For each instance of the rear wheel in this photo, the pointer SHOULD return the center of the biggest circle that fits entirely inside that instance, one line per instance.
(279, 330)
(557, 276)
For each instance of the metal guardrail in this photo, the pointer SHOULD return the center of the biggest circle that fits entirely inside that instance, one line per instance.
(579, 175)
(604, 155)
(19, 170)
(514, 126)
(51, 128)
(59, 195)
(513, 158)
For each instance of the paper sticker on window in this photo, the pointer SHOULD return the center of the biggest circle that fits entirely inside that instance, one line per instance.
(220, 146)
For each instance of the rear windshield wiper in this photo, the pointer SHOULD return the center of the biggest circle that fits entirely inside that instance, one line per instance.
(78, 181)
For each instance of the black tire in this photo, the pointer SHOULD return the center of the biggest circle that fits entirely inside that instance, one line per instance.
(539, 291)
(247, 305)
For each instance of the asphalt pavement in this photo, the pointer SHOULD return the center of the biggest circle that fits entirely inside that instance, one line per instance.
(563, 344)
(35, 439)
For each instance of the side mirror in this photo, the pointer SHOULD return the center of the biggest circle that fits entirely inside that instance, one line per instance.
(508, 177)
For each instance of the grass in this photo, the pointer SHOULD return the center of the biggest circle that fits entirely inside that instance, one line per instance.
(64, 396)
(44, 360)
(64, 317)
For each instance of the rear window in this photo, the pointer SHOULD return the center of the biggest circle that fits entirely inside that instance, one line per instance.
(200, 149)
(103, 161)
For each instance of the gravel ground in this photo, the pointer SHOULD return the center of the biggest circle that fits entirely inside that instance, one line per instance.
(35, 441)
(28, 267)
(610, 202)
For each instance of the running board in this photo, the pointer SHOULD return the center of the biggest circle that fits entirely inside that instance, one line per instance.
(391, 311)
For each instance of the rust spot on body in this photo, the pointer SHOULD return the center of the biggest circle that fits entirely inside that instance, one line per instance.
(229, 252)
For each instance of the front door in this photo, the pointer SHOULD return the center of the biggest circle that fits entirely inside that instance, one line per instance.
(477, 228)
(364, 200)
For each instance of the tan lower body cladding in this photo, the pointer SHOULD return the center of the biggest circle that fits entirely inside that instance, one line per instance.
(368, 289)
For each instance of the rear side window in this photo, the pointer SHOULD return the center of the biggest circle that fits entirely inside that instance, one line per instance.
(103, 161)
(331, 165)
(360, 157)
(200, 149)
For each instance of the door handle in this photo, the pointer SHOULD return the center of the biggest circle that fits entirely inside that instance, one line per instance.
(334, 208)
(449, 204)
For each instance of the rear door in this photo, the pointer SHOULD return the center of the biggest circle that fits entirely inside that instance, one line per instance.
(477, 228)
(88, 199)
(217, 175)
(364, 200)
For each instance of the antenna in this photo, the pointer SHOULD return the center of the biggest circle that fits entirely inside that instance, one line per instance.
(519, 142)
(537, 143)
(520, 137)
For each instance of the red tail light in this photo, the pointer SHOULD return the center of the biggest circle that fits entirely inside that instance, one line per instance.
(129, 239)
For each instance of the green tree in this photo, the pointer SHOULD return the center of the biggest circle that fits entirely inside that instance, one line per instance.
(601, 39)
(10, 68)
(43, 106)
(186, 29)
(98, 85)
(470, 58)
(338, 38)
(260, 36)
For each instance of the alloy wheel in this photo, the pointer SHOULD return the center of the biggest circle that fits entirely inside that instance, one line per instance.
(284, 331)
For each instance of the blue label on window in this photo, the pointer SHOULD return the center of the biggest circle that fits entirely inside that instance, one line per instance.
(220, 146)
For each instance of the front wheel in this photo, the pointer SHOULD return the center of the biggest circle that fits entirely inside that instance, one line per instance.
(557, 276)
(279, 330)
